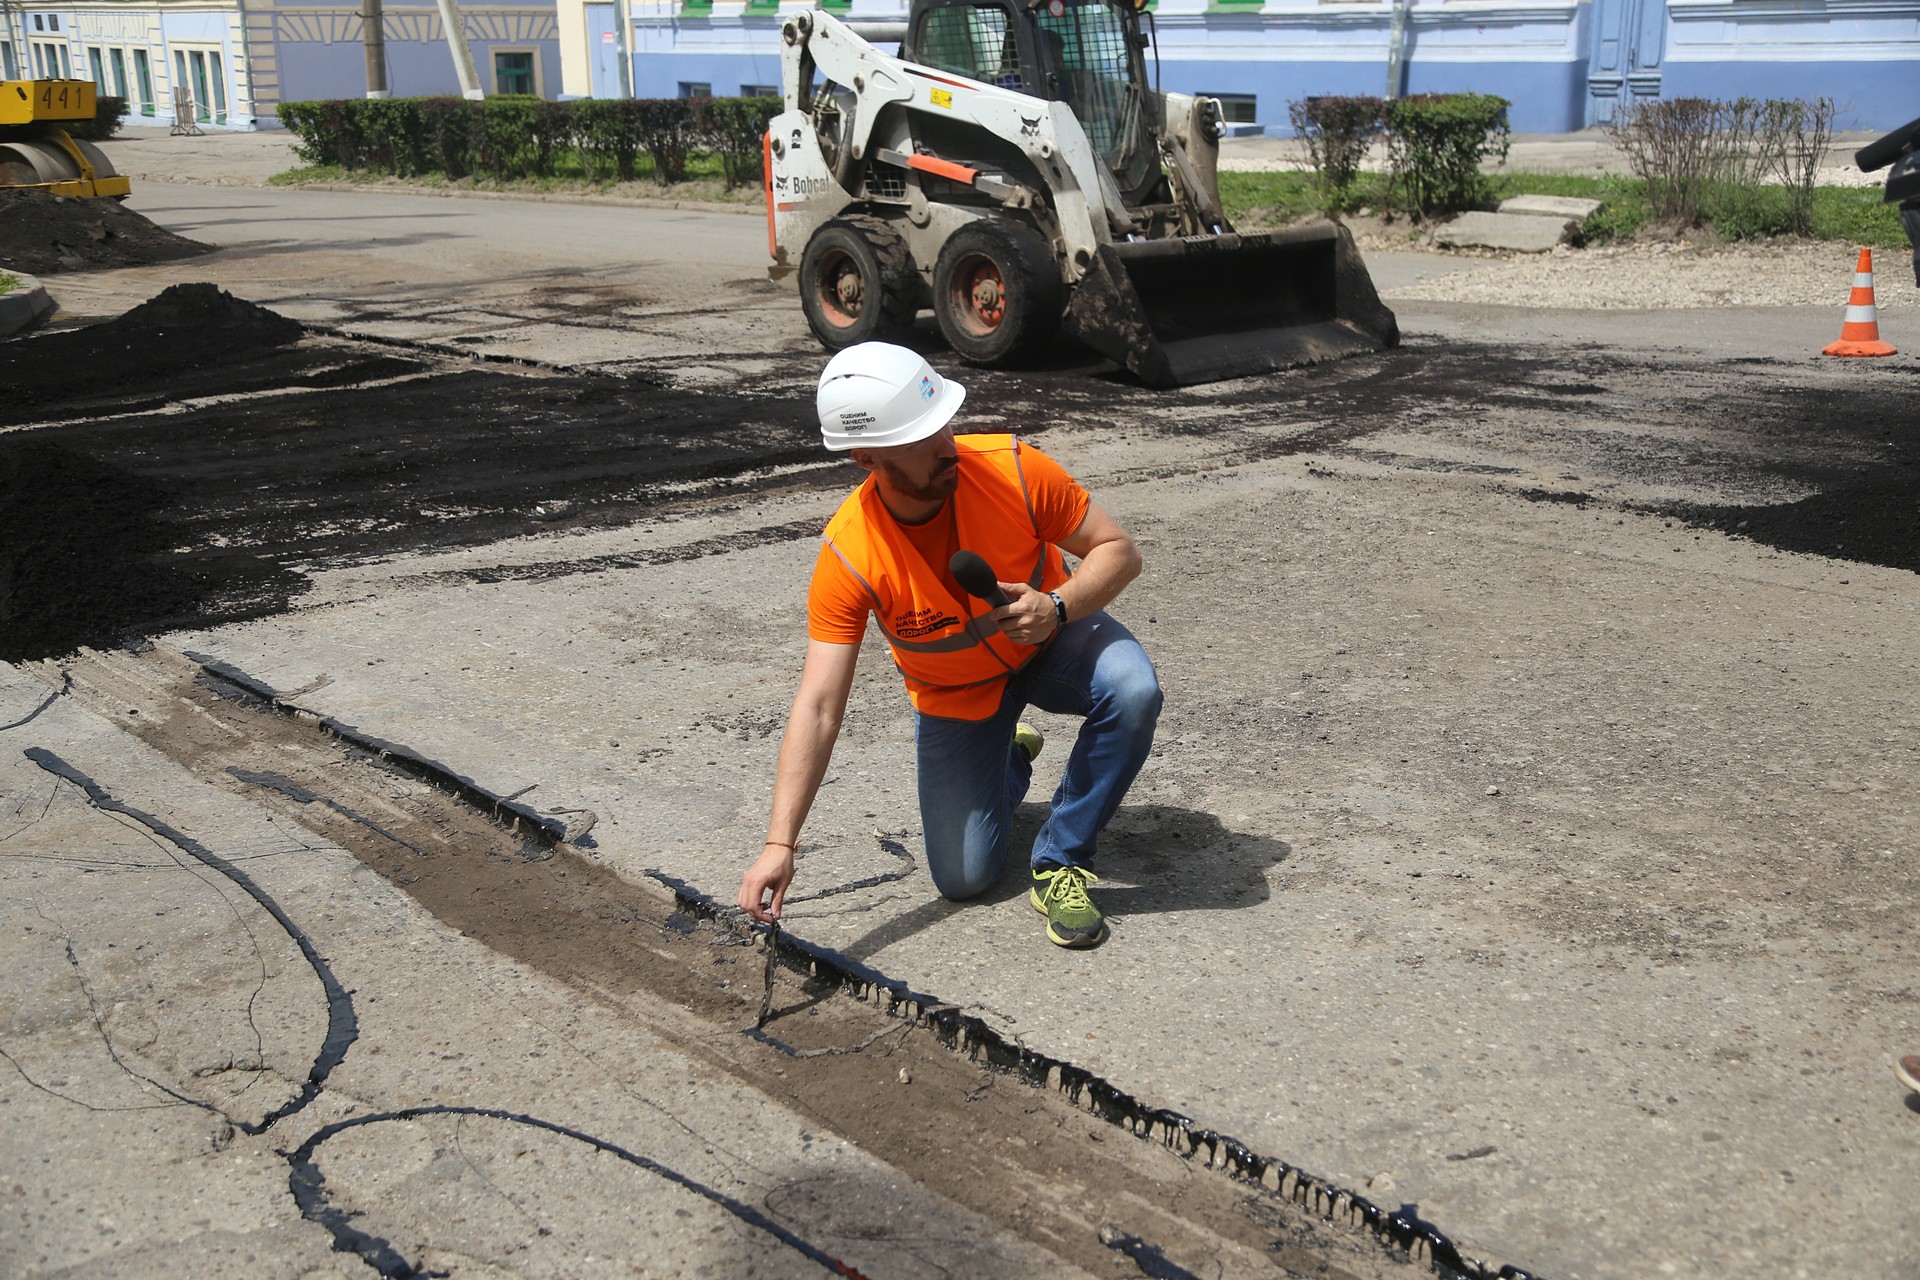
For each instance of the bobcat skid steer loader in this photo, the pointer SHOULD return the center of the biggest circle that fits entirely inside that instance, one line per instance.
(1013, 171)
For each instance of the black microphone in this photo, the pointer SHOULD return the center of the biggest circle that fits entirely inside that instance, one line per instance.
(976, 575)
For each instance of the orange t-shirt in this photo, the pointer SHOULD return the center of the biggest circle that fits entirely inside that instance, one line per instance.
(837, 605)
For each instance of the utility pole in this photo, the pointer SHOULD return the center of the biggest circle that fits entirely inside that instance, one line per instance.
(462, 56)
(373, 32)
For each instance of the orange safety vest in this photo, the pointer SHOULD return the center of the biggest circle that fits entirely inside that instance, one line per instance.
(944, 641)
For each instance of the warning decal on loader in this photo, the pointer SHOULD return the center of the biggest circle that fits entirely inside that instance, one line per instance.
(940, 98)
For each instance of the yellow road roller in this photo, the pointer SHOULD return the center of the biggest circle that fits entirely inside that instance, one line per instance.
(36, 153)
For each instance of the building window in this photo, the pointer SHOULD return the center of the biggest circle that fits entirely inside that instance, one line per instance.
(513, 72)
(759, 90)
(219, 81)
(1237, 108)
(51, 61)
(7, 69)
(695, 89)
(119, 59)
(98, 65)
(39, 23)
(200, 72)
(143, 75)
(53, 22)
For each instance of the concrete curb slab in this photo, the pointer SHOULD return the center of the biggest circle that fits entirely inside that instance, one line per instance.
(1551, 206)
(24, 306)
(1521, 233)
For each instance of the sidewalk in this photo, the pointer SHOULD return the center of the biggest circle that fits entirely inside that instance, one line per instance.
(148, 154)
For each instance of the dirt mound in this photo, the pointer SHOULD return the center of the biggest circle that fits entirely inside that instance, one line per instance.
(187, 326)
(208, 310)
(41, 234)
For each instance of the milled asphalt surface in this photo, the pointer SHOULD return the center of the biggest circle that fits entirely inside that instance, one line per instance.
(1395, 1031)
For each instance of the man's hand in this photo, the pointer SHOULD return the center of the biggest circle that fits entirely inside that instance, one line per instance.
(771, 872)
(1028, 617)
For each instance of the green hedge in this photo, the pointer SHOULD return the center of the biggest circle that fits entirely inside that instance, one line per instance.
(513, 137)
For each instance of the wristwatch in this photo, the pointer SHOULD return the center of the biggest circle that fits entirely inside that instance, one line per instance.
(1059, 610)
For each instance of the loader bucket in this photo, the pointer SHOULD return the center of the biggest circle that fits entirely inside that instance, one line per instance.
(1204, 308)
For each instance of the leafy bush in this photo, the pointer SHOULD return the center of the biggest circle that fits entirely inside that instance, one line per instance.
(733, 128)
(108, 112)
(608, 136)
(393, 135)
(1435, 145)
(327, 133)
(441, 136)
(1747, 166)
(1675, 147)
(667, 131)
(1338, 132)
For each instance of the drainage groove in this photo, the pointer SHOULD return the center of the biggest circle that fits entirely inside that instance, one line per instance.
(960, 1033)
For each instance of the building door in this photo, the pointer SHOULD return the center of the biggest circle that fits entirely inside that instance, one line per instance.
(1629, 40)
(603, 51)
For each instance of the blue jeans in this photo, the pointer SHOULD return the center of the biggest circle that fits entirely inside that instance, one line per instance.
(971, 774)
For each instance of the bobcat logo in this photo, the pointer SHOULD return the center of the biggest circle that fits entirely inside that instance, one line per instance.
(1030, 128)
(780, 182)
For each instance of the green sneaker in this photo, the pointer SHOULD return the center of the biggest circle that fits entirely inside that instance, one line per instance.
(1029, 739)
(1060, 894)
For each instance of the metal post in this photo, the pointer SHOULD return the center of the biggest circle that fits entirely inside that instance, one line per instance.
(373, 34)
(1397, 48)
(623, 43)
(462, 56)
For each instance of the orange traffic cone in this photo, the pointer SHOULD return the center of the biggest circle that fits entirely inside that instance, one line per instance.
(1860, 334)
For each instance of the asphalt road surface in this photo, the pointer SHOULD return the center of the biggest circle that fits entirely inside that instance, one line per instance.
(1528, 849)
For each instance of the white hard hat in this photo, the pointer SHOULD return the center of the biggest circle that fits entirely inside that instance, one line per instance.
(875, 395)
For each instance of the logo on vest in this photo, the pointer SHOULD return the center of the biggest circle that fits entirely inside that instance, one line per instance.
(915, 623)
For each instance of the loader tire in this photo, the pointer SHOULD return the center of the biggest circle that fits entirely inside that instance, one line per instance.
(857, 283)
(996, 291)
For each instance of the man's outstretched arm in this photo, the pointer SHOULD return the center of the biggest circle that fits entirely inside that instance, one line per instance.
(813, 725)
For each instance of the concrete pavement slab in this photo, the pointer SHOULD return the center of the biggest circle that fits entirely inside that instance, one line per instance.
(232, 1048)
(1516, 232)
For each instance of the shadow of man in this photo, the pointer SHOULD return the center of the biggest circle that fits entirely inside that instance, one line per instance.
(1153, 858)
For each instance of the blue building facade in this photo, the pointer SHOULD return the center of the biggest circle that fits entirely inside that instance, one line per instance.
(1563, 64)
(228, 64)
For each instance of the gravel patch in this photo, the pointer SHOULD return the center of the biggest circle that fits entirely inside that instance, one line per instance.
(1664, 277)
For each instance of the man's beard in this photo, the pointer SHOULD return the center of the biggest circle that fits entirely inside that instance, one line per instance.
(938, 487)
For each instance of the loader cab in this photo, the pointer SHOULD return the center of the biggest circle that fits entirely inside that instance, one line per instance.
(1085, 54)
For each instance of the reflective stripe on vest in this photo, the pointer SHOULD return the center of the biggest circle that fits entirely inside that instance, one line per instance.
(993, 515)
